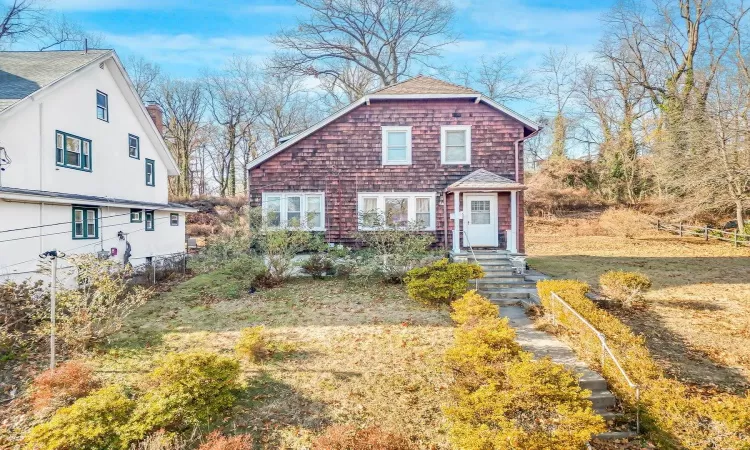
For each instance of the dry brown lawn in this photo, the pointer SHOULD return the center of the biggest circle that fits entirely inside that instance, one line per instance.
(365, 355)
(697, 322)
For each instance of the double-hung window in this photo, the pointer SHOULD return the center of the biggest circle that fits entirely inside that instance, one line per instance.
(396, 146)
(150, 175)
(134, 146)
(174, 219)
(294, 209)
(72, 151)
(455, 144)
(396, 210)
(85, 222)
(149, 219)
(136, 215)
(102, 106)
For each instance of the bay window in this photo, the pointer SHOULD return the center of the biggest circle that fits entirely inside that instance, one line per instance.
(396, 209)
(294, 209)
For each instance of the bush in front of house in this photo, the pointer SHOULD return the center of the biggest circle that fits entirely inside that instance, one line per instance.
(252, 344)
(185, 390)
(441, 282)
(19, 317)
(502, 398)
(317, 265)
(625, 287)
(349, 437)
(61, 386)
(671, 415)
(94, 422)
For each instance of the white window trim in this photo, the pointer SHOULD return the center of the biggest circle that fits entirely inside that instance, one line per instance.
(384, 144)
(412, 204)
(444, 141)
(303, 208)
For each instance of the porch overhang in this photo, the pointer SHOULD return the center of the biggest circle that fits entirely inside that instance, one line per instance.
(482, 180)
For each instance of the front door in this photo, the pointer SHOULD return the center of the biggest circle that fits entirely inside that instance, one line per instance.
(480, 220)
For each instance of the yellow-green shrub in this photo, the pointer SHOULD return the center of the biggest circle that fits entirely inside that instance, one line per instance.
(440, 282)
(472, 306)
(502, 399)
(671, 416)
(94, 422)
(186, 389)
(252, 344)
(627, 287)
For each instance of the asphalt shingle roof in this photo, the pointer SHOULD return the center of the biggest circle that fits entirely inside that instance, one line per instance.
(23, 73)
(484, 179)
(424, 85)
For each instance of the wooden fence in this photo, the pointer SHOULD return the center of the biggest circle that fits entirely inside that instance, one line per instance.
(706, 232)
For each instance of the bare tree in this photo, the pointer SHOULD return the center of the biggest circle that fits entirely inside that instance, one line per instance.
(288, 106)
(499, 79)
(560, 72)
(384, 37)
(351, 83)
(18, 19)
(183, 105)
(144, 75)
(58, 32)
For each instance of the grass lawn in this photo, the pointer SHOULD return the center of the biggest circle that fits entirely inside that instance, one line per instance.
(365, 355)
(697, 324)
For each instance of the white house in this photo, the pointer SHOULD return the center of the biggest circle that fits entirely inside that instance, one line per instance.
(84, 167)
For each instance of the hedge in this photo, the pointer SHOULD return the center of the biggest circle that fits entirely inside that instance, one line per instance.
(501, 397)
(441, 282)
(672, 417)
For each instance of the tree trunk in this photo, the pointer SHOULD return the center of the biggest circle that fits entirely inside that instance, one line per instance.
(740, 212)
(559, 132)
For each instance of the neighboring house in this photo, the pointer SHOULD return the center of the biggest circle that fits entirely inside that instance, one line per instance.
(422, 150)
(84, 165)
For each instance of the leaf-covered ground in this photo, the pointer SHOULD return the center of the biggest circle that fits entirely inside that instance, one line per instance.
(364, 354)
(697, 323)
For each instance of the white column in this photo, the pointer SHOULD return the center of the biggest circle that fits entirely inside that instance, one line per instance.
(513, 238)
(456, 223)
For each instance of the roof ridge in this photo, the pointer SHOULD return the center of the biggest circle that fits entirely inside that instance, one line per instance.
(394, 84)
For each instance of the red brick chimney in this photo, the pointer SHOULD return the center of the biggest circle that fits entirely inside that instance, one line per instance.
(154, 110)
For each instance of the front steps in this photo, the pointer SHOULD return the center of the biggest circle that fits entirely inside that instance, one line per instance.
(507, 289)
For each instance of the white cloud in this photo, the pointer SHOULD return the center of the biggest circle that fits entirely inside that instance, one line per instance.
(190, 49)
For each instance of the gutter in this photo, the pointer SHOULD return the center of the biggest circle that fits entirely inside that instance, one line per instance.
(516, 151)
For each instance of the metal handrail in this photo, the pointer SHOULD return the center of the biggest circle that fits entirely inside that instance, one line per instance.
(471, 249)
(606, 350)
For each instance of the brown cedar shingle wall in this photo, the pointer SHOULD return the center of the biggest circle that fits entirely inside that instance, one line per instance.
(344, 158)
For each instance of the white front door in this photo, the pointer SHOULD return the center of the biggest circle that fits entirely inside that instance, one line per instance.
(480, 220)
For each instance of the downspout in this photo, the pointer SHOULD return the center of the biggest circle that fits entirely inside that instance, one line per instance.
(445, 220)
(518, 180)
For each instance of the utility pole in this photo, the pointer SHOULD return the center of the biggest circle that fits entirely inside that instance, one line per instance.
(52, 255)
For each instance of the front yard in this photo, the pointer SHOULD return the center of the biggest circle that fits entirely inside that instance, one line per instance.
(365, 355)
(697, 324)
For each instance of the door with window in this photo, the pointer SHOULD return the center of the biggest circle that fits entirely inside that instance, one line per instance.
(480, 220)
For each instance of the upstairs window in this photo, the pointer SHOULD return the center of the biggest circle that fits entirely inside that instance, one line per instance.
(136, 215)
(72, 151)
(149, 220)
(150, 176)
(396, 146)
(455, 144)
(294, 209)
(102, 106)
(174, 219)
(85, 223)
(134, 146)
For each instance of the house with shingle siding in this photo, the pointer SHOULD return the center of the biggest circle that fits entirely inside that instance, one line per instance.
(84, 165)
(422, 151)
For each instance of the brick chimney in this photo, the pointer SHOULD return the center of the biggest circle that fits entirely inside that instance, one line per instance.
(154, 110)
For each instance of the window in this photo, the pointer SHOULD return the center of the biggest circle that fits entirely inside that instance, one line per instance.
(480, 212)
(102, 106)
(134, 146)
(85, 223)
(174, 219)
(150, 181)
(396, 145)
(295, 209)
(136, 216)
(149, 221)
(72, 151)
(455, 144)
(397, 209)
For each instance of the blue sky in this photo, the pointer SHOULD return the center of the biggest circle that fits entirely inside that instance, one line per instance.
(186, 36)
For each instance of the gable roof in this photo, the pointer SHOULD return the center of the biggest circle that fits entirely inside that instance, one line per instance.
(24, 74)
(419, 87)
(425, 85)
(482, 179)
